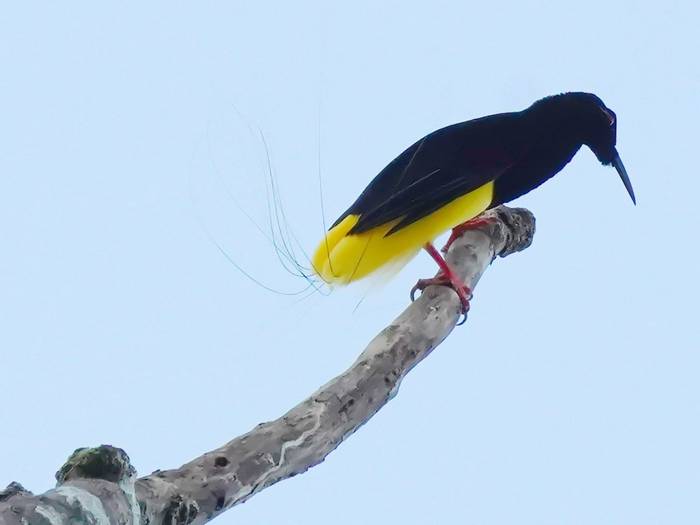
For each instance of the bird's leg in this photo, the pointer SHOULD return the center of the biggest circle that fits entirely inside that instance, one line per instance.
(446, 276)
(458, 230)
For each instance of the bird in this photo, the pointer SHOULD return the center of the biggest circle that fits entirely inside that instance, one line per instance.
(446, 179)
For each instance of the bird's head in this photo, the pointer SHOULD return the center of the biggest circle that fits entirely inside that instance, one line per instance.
(586, 118)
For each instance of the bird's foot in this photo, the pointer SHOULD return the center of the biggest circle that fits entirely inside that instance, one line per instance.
(471, 224)
(445, 277)
(451, 280)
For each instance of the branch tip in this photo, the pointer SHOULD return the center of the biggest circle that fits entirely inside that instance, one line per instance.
(514, 226)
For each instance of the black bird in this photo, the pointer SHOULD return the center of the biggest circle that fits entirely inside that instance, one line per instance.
(453, 174)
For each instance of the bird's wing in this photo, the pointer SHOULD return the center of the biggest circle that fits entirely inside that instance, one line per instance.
(426, 195)
(437, 169)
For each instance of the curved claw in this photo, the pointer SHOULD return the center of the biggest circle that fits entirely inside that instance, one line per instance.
(464, 297)
(422, 284)
(413, 291)
(465, 309)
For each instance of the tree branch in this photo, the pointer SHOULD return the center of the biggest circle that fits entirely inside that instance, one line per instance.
(98, 486)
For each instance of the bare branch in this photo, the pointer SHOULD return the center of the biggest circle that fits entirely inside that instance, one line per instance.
(97, 485)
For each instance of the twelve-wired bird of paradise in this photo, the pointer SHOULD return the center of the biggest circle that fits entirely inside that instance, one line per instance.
(455, 173)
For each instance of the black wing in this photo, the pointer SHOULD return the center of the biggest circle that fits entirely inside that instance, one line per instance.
(437, 169)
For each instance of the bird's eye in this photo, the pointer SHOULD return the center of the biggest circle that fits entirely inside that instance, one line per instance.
(609, 115)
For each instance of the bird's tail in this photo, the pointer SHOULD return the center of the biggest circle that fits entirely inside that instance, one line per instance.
(342, 258)
(322, 261)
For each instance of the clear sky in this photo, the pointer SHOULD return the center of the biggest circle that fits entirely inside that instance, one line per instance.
(570, 396)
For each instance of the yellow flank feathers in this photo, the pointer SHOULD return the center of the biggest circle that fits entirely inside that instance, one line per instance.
(341, 258)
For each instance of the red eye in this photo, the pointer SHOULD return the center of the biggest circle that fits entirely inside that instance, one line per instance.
(609, 115)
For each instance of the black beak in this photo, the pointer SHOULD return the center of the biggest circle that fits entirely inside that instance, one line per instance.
(620, 167)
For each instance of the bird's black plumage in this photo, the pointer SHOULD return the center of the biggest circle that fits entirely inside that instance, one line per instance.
(518, 151)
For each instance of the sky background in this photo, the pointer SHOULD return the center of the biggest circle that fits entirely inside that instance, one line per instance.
(570, 396)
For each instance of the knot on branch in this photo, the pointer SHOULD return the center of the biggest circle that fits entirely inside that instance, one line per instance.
(103, 462)
(180, 511)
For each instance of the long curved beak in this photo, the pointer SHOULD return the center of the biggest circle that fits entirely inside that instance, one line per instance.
(620, 167)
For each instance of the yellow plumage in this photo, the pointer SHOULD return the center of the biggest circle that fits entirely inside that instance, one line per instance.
(342, 258)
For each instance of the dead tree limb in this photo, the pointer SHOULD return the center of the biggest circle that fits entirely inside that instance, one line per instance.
(99, 485)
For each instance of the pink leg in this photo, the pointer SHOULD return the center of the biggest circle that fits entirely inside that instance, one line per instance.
(445, 277)
(458, 230)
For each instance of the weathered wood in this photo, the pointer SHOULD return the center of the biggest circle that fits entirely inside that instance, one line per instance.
(97, 485)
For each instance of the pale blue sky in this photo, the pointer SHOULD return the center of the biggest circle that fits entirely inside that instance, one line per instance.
(571, 396)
